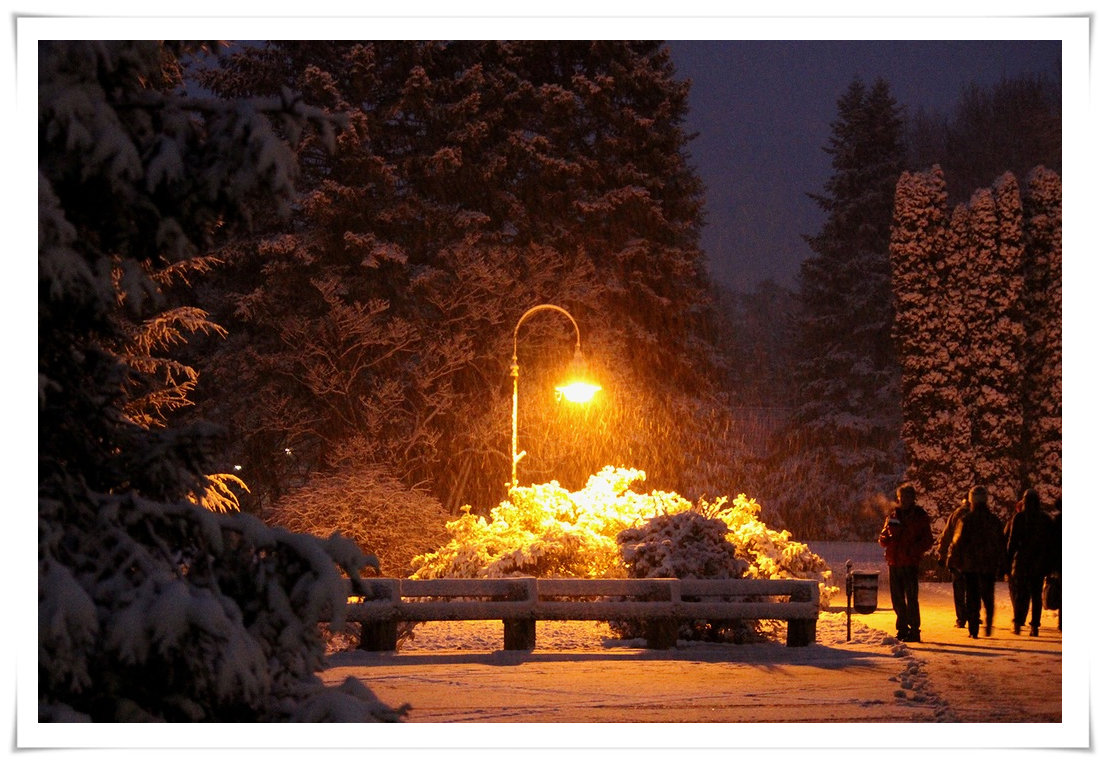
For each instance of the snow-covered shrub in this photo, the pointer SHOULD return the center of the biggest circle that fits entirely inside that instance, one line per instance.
(769, 553)
(685, 545)
(547, 531)
(219, 608)
(718, 540)
(367, 505)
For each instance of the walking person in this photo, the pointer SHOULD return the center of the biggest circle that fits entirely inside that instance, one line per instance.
(958, 582)
(1029, 547)
(978, 551)
(906, 536)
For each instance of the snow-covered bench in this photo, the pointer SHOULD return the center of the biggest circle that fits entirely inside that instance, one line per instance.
(659, 603)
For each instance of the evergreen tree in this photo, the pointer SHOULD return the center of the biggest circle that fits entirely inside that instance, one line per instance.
(1042, 305)
(995, 331)
(759, 334)
(973, 293)
(845, 446)
(928, 332)
(1013, 125)
(474, 180)
(135, 579)
(957, 292)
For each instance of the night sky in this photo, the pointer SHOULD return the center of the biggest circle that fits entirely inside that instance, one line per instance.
(762, 111)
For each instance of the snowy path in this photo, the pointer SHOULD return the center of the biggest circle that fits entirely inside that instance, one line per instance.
(871, 678)
(588, 682)
(1002, 678)
(458, 672)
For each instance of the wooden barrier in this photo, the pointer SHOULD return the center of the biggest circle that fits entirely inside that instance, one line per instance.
(659, 604)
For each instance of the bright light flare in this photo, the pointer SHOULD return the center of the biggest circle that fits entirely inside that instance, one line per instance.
(579, 391)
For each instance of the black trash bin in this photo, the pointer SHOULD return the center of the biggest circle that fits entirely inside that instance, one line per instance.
(864, 591)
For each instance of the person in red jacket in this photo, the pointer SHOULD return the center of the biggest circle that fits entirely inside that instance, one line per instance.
(906, 536)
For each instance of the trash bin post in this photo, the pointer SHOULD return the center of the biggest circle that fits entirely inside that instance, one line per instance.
(848, 588)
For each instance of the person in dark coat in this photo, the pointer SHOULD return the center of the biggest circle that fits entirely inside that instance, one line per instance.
(906, 536)
(958, 584)
(1029, 546)
(978, 551)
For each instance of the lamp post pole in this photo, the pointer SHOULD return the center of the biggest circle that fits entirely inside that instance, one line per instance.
(516, 456)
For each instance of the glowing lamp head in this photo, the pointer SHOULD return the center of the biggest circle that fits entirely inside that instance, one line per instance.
(578, 390)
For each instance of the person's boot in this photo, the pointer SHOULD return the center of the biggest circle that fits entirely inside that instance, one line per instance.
(1035, 630)
(913, 637)
(1016, 629)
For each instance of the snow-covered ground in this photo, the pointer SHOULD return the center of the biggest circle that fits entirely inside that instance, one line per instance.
(458, 672)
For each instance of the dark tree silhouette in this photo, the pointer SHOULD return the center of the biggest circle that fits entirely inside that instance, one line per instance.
(474, 180)
(844, 442)
(1011, 126)
(150, 607)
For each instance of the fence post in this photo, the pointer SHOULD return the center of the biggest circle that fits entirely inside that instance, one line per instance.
(519, 632)
(380, 635)
(848, 588)
(802, 632)
(661, 632)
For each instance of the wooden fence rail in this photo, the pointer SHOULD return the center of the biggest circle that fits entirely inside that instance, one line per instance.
(659, 604)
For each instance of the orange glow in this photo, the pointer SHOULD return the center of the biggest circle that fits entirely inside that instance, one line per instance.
(579, 391)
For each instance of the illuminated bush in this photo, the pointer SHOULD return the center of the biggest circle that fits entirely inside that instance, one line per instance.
(547, 531)
(685, 545)
(719, 540)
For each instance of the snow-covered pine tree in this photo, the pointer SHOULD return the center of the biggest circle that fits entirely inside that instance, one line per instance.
(759, 335)
(1042, 305)
(927, 313)
(1013, 125)
(845, 444)
(992, 290)
(135, 580)
(980, 340)
(475, 180)
(956, 297)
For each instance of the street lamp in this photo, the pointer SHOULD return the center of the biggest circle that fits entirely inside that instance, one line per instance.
(576, 389)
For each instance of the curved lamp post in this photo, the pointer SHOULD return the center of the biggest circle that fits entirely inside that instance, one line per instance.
(575, 390)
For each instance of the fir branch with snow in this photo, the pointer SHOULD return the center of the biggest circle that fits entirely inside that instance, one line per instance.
(136, 580)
